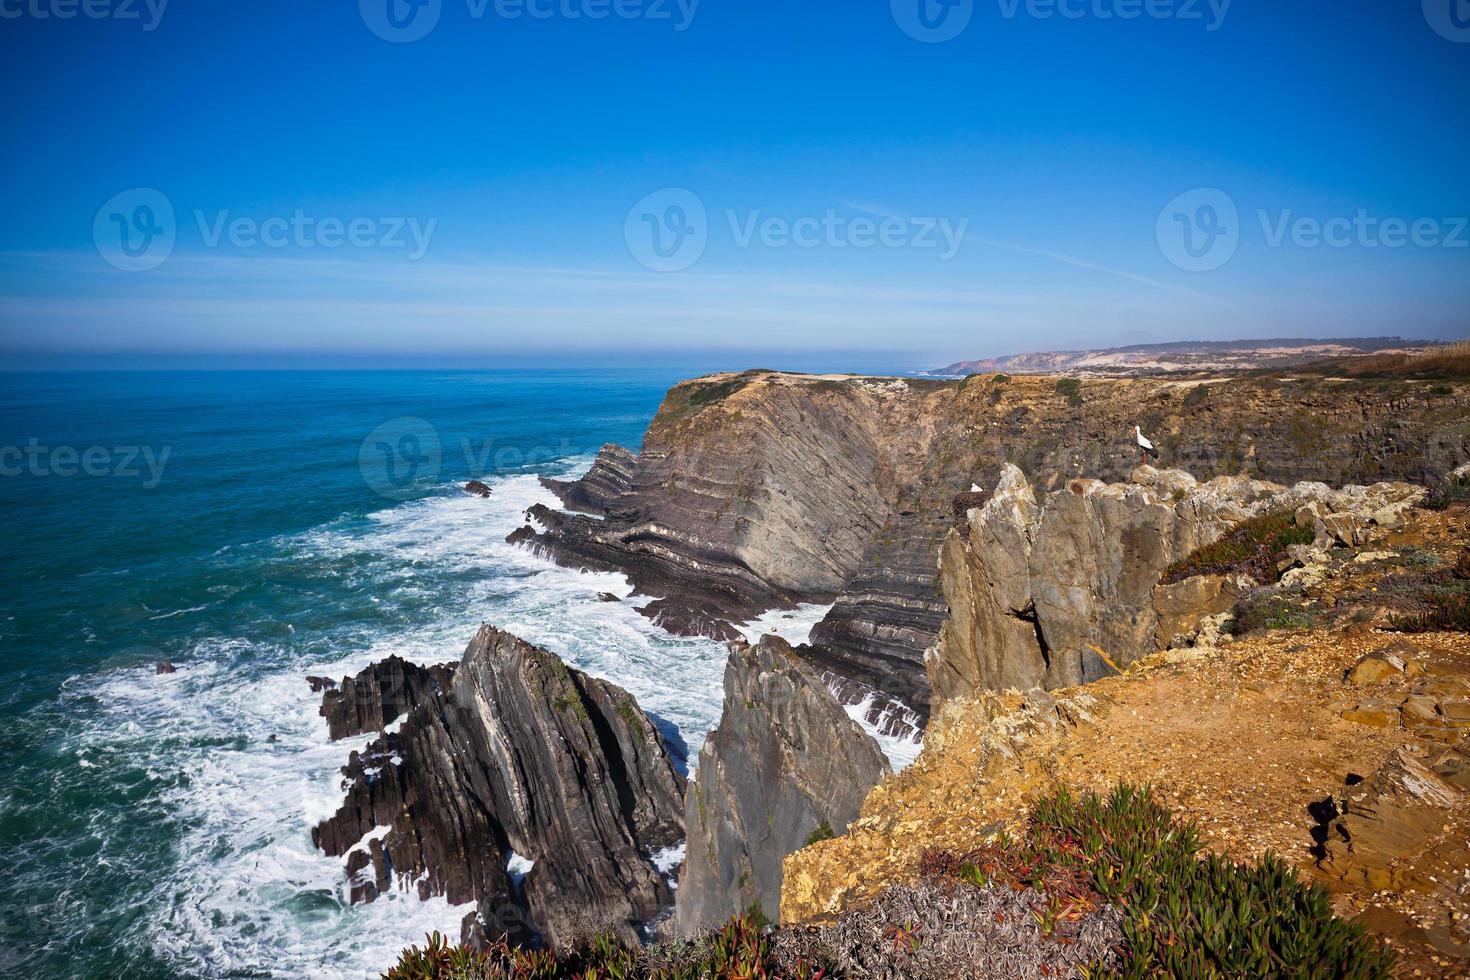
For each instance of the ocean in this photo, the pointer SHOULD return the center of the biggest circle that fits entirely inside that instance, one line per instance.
(252, 528)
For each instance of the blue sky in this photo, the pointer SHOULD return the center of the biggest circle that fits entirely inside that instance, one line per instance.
(847, 188)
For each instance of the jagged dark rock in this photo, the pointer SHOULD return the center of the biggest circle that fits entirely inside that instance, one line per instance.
(515, 752)
(320, 684)
(684, 618)
(378, 695)
(609, 479)
(786, 762)
(763, 489)
(477, 489)
(164, 667)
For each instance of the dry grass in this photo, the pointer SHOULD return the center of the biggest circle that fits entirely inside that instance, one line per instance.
(1446, 362)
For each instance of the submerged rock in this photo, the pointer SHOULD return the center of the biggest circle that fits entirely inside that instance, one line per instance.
(514, 753)
(786, 766)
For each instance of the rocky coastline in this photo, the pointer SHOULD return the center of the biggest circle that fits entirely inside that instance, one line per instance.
(1020, 608)
(762, 489)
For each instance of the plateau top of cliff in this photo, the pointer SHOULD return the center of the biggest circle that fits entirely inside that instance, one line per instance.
(1330, 728)
(1228, 356)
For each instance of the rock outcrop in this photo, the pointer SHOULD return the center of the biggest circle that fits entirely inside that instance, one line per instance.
(762, 489)
(785, 765)
(378, 695)
(597, 492)
(1067, 589)
(1388, 832)
(511, 753)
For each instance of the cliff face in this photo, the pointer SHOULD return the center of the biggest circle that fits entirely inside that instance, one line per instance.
(1065, 590)
(764, 488)
(516, 753)
(785, 761)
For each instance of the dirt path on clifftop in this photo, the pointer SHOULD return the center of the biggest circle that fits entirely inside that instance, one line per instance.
(1243, 740)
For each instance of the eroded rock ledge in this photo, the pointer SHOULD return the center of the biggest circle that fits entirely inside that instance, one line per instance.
(510, 752)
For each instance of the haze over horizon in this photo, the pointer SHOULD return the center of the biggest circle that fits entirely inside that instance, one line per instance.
(746, 185)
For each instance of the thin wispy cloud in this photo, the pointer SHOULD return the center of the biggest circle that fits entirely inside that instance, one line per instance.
(1061, 257)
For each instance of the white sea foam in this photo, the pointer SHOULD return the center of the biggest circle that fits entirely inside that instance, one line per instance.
(792, 625)
(249, 893)
(901, 751)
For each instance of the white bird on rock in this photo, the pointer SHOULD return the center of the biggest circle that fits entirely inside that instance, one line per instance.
(1145, 448)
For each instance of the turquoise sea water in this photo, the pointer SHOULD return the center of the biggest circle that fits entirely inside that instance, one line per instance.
(253, 528)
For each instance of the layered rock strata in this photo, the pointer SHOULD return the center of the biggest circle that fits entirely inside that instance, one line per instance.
(513, 754)
(762, 489)
(785, 765)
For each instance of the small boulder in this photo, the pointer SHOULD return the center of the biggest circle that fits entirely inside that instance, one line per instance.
(476, 488)
(1419, 709)
(1343, 528)
(164, 667)
(1455, 711)
(320, 684)
(1394, 660)
(607, 597)
(1377, 714)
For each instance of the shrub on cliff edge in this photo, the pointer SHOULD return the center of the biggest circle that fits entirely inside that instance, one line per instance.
(738, 951)
(1184, 916)
(1254, 547)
